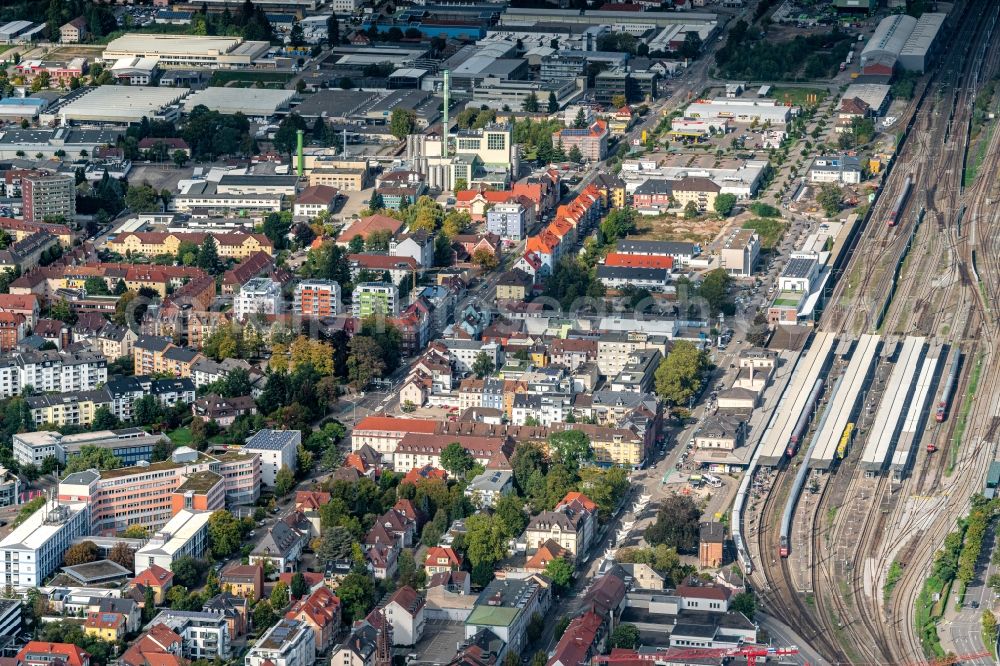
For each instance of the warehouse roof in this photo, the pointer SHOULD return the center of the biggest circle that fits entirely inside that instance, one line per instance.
(121, 103)
(923, 35)
(254, 102)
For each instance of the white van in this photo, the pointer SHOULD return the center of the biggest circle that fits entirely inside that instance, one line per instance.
(712, 481)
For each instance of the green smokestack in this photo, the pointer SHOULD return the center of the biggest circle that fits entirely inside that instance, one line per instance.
(300, 167)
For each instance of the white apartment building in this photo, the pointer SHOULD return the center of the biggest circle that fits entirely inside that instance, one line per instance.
(277, 449)
(184, 534)
(203, 635)
(35, 548)
(258, 296)
(52, 372)
(288, 643)
(464, 353)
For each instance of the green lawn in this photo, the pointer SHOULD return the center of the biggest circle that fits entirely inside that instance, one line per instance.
(797, 96)
(181, 436)
(770, 230)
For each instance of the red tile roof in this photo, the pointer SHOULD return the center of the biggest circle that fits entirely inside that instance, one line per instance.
(571, 497)
(577, 640)
(71, 654)
(389, 424)
(367, 225)
(437, 553)
(154, 576)
(639, 261)
(423, 473)
(322, 607)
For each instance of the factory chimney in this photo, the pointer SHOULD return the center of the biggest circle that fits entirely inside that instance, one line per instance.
(444, 125)
(300, 166)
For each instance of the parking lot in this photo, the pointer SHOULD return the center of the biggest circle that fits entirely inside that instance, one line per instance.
(441, 639)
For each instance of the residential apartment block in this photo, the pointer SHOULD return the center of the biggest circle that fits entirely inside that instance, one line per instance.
(259, 296)
(51, 371)
(371, 298)
(48, 196)
(186, 534)
(276, 449)
(287, 643)
(317, 298)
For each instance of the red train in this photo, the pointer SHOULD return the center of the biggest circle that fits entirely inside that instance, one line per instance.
(897, 209)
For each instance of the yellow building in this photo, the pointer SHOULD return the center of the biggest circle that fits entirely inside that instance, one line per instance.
(157, 354)
(701, 191)
(151, 244)
(617, 446)
(108, 627)
(21, 229)
(63, 409)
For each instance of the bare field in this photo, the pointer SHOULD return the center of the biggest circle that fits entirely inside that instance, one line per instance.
(668, 227)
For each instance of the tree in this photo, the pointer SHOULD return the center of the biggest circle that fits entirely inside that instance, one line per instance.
(356, 594)
(208, 254)
(62, 311)
(691, 46)
(724, 204)
(263, 615)
(625, 636)
(580, 121)
(299, 588)
(95, 286)
(297, 36)
(989, 627)
(284, 481)
(676, 525)
(561, 624)
(276, 227)
(483, 365)
(279, 596)
(485, 259)
(123, 555)
(679, 376)
(135, 532)
(536, 627)
(333, 30)
(509, 512)
(335, 544)
(456, 460)
(142, 198)
(365, 361)
(561, 571)
(530, 104)
(375, 202)
(104, 419)
(715, 290)
(485, 541)
(553, 104)
(759, 330)
(224, 534)
(570, 448)
(188, 571)
(92, 457)
(575, 155)
(402, 122)
(829, 198)
(745, 603)
(180, 158)
(618, 101)
(690, 210)
(286, 137)
(81, 553)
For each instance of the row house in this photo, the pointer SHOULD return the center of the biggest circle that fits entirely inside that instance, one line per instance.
(154, 243)
(570, 221)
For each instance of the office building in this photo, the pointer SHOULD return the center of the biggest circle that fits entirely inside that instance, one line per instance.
(375, 298)
(130, 445)
(35, 548)
(48, 197)
(277, 449)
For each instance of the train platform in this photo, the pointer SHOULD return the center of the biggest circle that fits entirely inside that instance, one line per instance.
(899, 390)
(851, 386)
(808, 371)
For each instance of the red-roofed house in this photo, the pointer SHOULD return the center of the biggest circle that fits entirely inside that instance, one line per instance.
(405, 612)
(441, 559)
(313, 579)
(12, 329)
(22, 304)
(315, 199)
(399, 268)
(582, 639)
(41, 653)
(547, 551)
(157, 578)
(367, 225)
(424, 473)
(320, 611)
(159, 646)
(696, 596)
(639, 261)
(475, 202)
(109, 627)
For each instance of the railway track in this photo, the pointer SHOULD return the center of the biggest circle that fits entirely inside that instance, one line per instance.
(923, 306)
